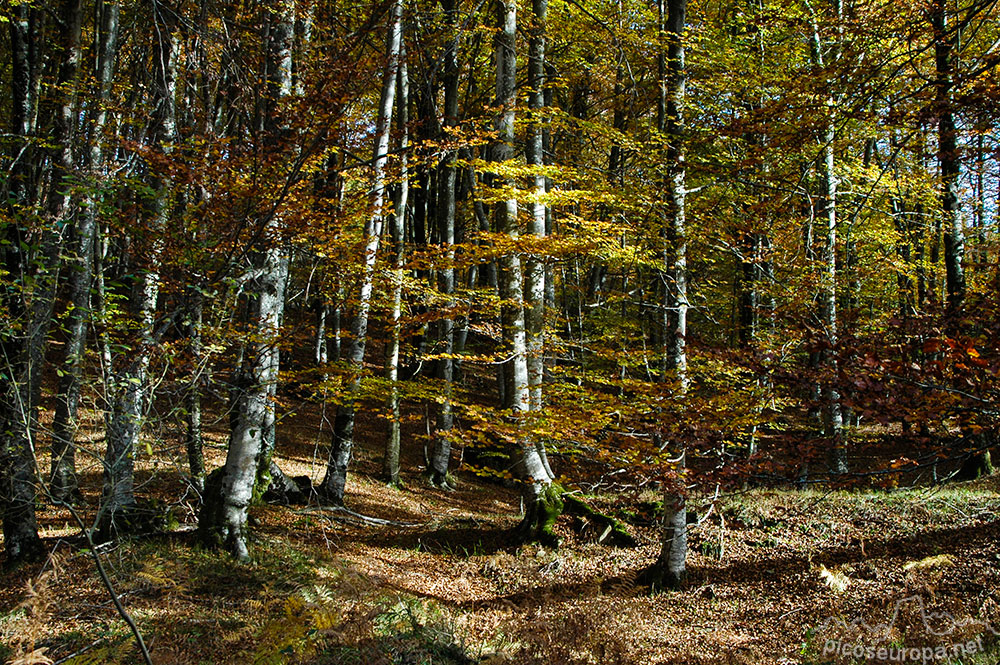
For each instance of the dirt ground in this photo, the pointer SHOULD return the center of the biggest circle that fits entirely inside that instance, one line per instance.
(774, 576)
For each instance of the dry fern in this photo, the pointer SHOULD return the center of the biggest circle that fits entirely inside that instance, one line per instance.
(931, 562)
(837, 581)
(37, 608)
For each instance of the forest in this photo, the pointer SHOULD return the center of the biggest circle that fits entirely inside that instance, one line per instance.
(499, 331)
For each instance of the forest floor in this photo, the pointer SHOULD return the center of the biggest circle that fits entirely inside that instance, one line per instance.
(775, 577)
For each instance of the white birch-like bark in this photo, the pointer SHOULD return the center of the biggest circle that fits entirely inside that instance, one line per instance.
(332, 486)
(833, 420)
(127, 382)
(531, 468)
(535, 273)
(63, 483)
(670, 569)
(247, 470)
(390, 463)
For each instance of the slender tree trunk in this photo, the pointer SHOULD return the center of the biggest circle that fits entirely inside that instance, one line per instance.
(193, 439)
(535, 273)
(441, 456)
(268, 471)
(336, 314)
(541, 505)
(43, 268)
(320, 347)
(279, 70)
(128, 380)
(948, 160)
(25, 77)
(390, 463)
(18, 476)
(949, 165)
(833, 422)
(63, 480)
(669, 571)
(332, 487)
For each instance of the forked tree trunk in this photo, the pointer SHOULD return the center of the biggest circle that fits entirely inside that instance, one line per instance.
(232, 489)
(332, 487)
(535, 274)
(540, 504)
(128, 380)
(63, 484)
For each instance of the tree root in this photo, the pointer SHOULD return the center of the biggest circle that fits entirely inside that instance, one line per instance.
(612, 530)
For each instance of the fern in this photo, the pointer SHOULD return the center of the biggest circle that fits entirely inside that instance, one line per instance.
(308, 617)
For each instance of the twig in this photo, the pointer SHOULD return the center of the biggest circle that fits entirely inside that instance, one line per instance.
(790, 613)
(79, 651)
(352, 516)
(722, 535)
(107, 584)
(953, 507)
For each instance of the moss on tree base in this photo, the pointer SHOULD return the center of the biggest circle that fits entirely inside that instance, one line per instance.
(975, 466)
(540, 516)
(145, 516)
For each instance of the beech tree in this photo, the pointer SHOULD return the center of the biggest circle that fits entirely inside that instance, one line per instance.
(661, 239)
(670, 568)
(332, 486)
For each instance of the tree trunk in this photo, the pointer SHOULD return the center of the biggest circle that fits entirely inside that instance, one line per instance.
(230, 491)
(26, 65)
(332, 487)
(28, 313)
(193, 439)
(833, 422)
(531, 468)
(948, 161)
(247, 473)
(397, 226)
(669, 570)
(535, 273)
(128, 380)
(441, 457)
(63, 485)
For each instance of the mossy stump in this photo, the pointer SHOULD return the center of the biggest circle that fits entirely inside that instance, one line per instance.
(612, 530)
